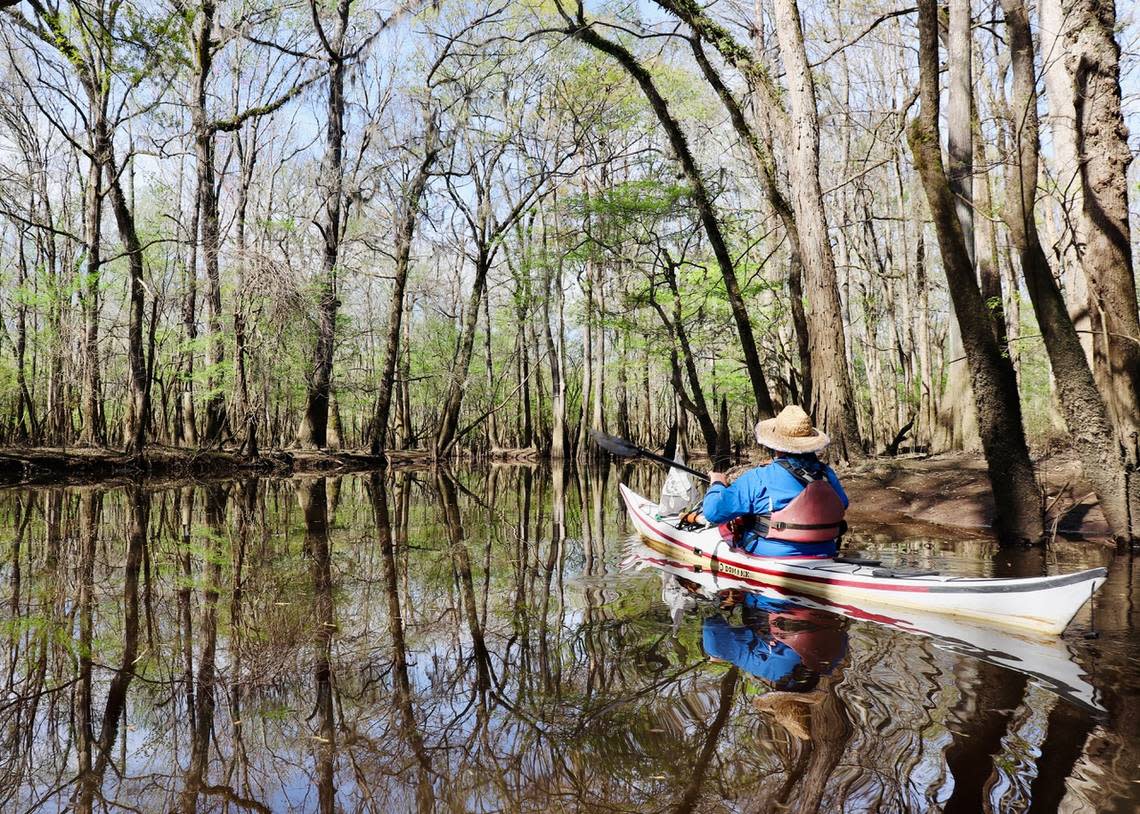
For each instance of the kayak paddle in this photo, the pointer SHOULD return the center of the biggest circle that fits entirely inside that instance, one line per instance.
(626, 449)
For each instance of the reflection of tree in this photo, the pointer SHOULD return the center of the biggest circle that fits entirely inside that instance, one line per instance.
(461, 558)
(98, 749)
(378, 492)
(500, 676)
(315, 505)
(204, 698)
(983, 720)
(700, 768)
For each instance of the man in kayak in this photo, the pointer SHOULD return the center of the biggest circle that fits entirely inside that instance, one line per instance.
(792, 507)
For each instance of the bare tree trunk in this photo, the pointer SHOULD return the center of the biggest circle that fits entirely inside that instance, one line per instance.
(555, 341)
(833, 401)
(1016, 497)
(494, 440)
(1093, 61)
(927, 385)
(584, 447)
(1078, 397)
(405, 232)
(760, 147)
(598, 419)
(189, 424)
(449, 412)
(93, 430)
(138, 414)
(1066, 190)
(204, 133)
(313, 431)
(959, 420)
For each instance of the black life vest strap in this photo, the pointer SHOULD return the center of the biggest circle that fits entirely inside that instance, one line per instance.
(801, 473)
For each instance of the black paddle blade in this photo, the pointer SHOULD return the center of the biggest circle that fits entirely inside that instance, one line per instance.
(614, 445)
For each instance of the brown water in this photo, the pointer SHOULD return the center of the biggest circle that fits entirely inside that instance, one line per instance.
(467, 642)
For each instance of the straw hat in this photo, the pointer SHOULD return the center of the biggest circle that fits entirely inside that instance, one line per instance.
(791, 431)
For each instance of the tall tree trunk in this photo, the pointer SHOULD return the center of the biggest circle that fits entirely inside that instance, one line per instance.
(833, 401)
(555, 341)
(1066, 190)
(187, 432)
(93, 431)
(597, 416)
(1093, 60)
(210, 230)
(494, 440)
(1016, 497)
(760, 148)
(701, 199)
(405, 232)
(449, 413)
(313, 431)
(1078, 398)
(584, 447)
(927, 385)
(138, 406)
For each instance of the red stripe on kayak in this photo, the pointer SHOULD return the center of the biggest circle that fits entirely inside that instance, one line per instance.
(919, 589)
(852, 611)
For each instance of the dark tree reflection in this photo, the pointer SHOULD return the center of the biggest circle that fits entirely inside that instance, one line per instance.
(96, 751)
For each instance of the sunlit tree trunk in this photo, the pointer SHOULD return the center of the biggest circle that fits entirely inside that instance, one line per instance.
(1093, 61)
(1078, 398)
(313, 432)
(405, 232)
(1016, 497)
(833, 401)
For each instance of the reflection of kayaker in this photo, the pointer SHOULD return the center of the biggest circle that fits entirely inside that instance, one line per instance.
(786, 645)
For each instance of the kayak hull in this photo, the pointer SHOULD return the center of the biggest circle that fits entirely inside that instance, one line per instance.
(1043, 605)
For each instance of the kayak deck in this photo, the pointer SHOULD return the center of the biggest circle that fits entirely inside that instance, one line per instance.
(1038, 604)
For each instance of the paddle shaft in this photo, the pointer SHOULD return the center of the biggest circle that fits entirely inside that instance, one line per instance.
(662, 459)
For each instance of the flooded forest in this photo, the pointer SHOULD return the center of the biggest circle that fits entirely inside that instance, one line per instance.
(309, 310)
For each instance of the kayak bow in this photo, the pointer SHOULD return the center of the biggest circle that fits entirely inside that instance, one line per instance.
(1038, 604)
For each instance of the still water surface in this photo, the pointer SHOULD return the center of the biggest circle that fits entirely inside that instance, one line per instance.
(468, 642)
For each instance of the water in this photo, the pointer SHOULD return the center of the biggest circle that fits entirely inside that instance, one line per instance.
(467, 642)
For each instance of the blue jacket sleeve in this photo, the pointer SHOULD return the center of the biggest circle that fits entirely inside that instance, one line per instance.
(833, 479)
(724, 503)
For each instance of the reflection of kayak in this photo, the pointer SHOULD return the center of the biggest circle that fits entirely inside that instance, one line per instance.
(1039, 604)
(1047, 661)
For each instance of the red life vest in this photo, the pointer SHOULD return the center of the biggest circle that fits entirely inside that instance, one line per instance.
(815, 515)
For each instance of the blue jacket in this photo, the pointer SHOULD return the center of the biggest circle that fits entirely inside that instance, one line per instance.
(764, 490)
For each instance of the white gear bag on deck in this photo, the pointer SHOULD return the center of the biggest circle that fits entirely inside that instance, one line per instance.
(678, 493)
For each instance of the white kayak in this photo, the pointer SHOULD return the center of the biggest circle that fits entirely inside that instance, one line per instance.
(1038, 604)
(1046, 660)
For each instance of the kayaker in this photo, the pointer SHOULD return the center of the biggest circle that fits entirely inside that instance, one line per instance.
(792, 507)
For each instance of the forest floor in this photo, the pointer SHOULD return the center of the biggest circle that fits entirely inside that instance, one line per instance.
(917, 494)
(953, 490)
